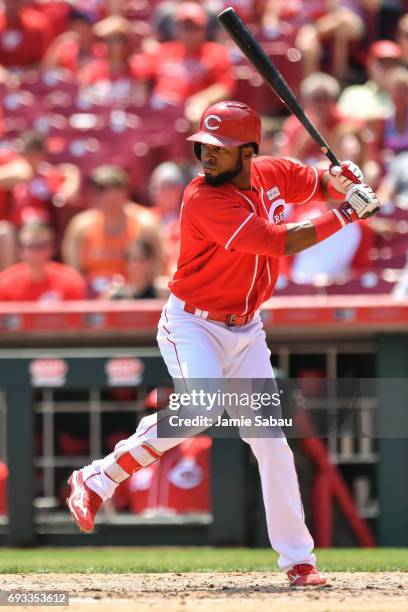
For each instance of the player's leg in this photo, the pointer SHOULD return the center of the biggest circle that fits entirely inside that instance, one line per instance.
(287, 530)
(191, 354)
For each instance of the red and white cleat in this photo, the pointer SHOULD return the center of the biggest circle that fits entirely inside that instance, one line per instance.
(83, 503)
(305, 574)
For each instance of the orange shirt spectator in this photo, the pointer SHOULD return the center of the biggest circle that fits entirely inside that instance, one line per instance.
(37, 278)
(25, 34)
(189, 69)
(96, 240)
(103, 255)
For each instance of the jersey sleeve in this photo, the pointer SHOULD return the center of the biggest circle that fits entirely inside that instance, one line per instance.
(226, 222)
(300, 183)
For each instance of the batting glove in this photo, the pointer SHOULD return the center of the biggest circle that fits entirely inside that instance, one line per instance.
(345, 175)
(361, 202)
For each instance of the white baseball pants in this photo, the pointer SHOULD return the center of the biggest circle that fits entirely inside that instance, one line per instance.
(194, 348)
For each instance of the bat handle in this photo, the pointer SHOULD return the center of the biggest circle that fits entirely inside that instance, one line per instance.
(330, 156)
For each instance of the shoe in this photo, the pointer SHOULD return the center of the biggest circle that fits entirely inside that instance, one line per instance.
(83, 503)
(305, 574)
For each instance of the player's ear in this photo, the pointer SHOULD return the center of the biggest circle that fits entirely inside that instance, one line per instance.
(247, 151)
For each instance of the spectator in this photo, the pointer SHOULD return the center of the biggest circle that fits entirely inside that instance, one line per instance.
(166, 187)
(393, 189)
(354, 142)
(392, 132)
(189, 70)
(319, 93)
(25, 34)
(164, 18)
(48, 187)
(371, 100)
(57, 13)
(272, 25)
(96, 240)
(338, 22)
(110, 79)
(13, 170)
(138, 281)
(38, 278)
(76, 47)
(402, 38)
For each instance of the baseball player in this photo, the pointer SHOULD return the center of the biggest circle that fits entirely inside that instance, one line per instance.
(232, 238)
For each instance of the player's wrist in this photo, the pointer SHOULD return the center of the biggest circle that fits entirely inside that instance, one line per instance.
(328, 224)
(348, 214)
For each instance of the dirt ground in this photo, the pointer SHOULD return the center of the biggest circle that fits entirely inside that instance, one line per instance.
(219, 592)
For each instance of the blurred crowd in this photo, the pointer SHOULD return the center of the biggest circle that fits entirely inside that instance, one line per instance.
(98, 96)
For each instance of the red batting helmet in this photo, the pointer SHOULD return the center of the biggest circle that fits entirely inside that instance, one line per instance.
(228, 124)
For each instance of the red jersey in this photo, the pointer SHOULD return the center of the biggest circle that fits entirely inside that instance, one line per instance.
(178, 482)
(179, 74)
(24, 41)
(61, 283)
(231, 241)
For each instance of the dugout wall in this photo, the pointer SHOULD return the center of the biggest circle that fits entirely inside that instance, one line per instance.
(38, 366)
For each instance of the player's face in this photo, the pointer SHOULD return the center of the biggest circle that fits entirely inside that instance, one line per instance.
(221, 164)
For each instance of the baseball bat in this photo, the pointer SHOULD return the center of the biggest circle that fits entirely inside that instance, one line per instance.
(250, 47)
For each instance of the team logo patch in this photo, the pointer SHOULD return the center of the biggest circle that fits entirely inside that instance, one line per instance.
(277, 212)
(273, 193)
(212, 122)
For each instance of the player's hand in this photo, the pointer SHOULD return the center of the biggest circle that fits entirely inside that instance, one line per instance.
(361, 202)
(344, 176)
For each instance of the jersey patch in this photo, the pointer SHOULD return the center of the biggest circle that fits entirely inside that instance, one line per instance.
(277, 212)
(273, 193)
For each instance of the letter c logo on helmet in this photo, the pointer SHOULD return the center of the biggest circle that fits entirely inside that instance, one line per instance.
(215, 125)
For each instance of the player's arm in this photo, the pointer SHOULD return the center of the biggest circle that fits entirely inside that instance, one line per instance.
(251, 234)
(360, 203)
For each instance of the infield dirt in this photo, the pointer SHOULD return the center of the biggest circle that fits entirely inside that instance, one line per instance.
(219, 592)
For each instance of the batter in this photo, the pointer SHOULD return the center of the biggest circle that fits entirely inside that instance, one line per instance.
(232, 239)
